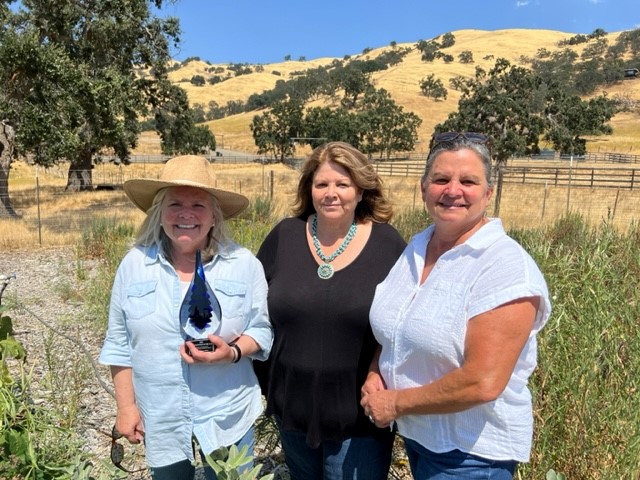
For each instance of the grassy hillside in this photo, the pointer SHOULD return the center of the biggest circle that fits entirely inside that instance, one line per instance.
(402, 82)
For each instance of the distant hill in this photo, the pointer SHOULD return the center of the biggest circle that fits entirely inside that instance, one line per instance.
(402, 82)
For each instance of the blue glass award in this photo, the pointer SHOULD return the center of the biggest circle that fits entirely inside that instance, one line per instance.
(200, 312)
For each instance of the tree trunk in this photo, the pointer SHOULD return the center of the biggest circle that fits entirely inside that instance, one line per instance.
(7, 138)
(79, 178)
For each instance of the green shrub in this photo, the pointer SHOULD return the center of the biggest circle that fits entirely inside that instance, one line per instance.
(227, 463)
(32, 444)
(587, 410)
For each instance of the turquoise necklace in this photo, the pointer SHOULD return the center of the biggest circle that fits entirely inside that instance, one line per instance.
(325, 271)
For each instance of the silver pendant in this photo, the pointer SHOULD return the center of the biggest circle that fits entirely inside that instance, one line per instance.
(325, 271)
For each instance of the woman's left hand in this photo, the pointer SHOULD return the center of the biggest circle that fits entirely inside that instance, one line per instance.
(222, 353)
(380, 407)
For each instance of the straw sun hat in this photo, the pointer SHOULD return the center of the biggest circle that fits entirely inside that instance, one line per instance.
(187, 171)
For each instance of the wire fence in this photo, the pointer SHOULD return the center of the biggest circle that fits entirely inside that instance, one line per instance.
(531, 196)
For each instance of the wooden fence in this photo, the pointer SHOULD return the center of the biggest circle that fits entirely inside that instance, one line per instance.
(590, 177)
(625, 178)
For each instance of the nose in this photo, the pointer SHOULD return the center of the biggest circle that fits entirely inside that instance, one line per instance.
(185, 213)
(453, 188)
(331, 191)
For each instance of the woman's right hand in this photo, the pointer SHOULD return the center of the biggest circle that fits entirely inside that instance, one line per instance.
(129, 424)
(128, 419)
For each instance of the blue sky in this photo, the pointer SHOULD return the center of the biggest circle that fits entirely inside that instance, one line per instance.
(265, 31)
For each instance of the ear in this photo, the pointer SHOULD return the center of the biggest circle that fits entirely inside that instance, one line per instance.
(423, 187)
(489, 193)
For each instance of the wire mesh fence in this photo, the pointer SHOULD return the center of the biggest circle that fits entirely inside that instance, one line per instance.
(49, 211)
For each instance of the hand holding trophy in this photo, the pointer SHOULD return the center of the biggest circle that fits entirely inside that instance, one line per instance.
(200, 313)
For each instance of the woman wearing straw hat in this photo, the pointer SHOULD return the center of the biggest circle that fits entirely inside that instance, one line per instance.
(185, 282)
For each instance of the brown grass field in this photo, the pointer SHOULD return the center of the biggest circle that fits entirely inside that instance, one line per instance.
(59, 217)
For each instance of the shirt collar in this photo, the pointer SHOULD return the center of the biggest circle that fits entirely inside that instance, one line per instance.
(152, 254)
(484, 237)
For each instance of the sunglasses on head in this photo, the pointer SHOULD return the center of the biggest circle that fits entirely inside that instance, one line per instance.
(117, 452)
(445, 137)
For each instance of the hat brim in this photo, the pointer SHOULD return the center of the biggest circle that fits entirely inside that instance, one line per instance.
(142, 192)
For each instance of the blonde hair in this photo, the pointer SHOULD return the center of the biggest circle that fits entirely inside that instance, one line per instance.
(152, 233)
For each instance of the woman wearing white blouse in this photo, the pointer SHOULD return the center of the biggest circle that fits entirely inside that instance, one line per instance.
(456, 319)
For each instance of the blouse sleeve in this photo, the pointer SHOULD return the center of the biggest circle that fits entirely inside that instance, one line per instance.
(115, 350)
(259, 328)
(510, 275)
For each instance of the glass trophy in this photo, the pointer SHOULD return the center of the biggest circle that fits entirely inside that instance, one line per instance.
(200, 312)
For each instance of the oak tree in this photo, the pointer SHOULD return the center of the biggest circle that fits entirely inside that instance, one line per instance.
(78, 76)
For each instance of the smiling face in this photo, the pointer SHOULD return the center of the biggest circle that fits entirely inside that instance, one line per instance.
(456, 192)
(187, 216)
(334, 194)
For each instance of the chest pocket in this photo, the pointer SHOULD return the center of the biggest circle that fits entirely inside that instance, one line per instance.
(232, 297)
(141, 299)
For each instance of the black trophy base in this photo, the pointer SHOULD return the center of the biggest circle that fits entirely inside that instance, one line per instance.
(203, 344)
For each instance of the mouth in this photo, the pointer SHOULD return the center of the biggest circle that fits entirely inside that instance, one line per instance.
(186, 227)
(452, 205)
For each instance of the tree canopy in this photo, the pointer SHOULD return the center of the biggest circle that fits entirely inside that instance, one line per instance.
(518, 108)
(375, 125)
(78, 76)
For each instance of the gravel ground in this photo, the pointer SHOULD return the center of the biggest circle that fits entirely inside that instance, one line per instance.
(45, 289)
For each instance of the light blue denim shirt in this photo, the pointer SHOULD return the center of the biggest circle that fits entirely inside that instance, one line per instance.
(215, 403)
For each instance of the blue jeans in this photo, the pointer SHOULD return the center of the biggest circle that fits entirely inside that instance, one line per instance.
(355, 458)
(184, 470)
(455, 464)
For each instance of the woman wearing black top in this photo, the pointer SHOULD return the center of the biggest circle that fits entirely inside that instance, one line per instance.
(322, 266)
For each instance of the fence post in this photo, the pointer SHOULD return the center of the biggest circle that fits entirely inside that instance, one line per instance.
(38, 204)
(615, 204)
(544, 201)
(271, 185)
(414, 197)
(569, 189)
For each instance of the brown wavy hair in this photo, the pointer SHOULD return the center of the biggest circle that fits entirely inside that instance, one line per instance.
(374, 204)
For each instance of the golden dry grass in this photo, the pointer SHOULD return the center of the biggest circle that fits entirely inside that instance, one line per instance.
(402, 82)
(63, 215)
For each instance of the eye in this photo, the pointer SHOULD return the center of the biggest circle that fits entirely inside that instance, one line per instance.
(469, 181)
(440, 181)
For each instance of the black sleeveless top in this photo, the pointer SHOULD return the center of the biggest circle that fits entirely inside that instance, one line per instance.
(323, 342)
